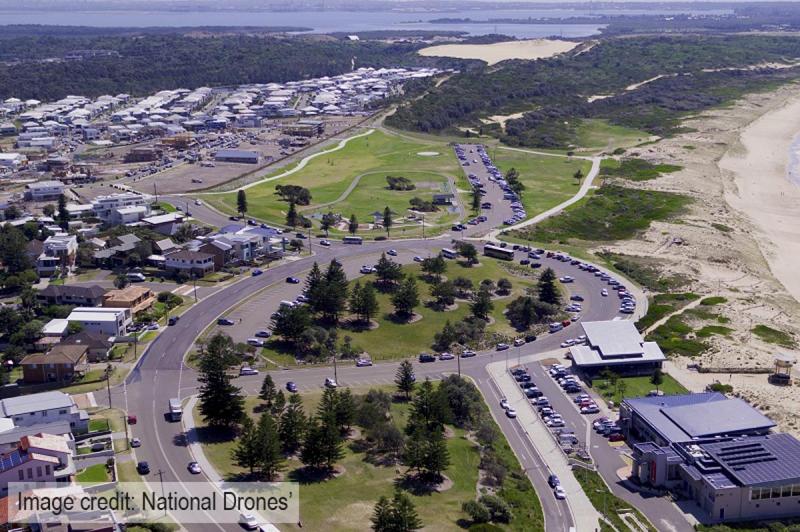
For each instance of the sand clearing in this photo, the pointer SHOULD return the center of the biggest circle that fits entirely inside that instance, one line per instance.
(501, 51)
(765, 193)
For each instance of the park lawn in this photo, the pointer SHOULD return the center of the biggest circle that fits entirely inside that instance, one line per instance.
(600, 135)
(329, 175)
(94, 474)
(638, 387)
(548, 180)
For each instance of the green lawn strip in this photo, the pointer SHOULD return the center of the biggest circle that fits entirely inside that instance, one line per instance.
(598, 134)
(113, 418)
(774, 336)
(97, 425)
(548, 180)
(637, 387)
(164, 206)
(710, 330)
(93, 474)
(328, 176)
(783, 525)
(612, 213)
(606, 502)
(637, 169)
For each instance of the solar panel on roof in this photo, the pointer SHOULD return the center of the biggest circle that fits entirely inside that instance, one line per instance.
(10, 460)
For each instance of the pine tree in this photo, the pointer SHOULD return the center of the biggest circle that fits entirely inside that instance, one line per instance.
(331, 440)
(469, 252)
(387, 219)
(327, 404)
(476, 199)
(657, 378)
(406, 297)
(352, 225)
(327, 221)
(482, 304)
(278, 403)
(268, 391)
(437, 457)
(241, 202)
(405, 379)
(333, 296)
(355, 304)
(292, 425)
(63, 213)
(221, 403)
(429, 409)
(547, 289)
(382, 516)
(369, 303)
(387, 271)
(345, 410)
(246, 453)
(292, 218)
(315, 284)
(270, 459)
(311, 454)
(404, 515)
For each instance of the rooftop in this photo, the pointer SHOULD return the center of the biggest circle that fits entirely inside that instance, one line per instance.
(33, 403)
(614, 338)
(60, 354)
(93, 291)
(760, 460)
(125, 294)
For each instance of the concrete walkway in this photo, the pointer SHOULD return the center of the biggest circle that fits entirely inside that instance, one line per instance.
(584, 514)
(587, 184)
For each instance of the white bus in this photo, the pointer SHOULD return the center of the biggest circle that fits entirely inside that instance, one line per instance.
(449, 253)
(353, 240)
(497, 252)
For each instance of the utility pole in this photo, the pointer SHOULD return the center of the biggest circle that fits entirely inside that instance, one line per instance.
(160, 474)
(458, 360)
(108, 383)
(155, 190)
(194, 282)
(335, 374)
(519, 360)
(423, 226)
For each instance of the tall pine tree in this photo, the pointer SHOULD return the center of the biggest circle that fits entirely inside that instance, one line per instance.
(221, 403)
(292, 425)
(246, 453)
(270, 459)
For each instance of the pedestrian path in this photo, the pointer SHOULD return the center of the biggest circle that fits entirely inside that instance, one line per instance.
(584, 514)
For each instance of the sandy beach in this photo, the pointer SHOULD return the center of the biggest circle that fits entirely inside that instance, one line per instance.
(764, 193)
(501, 51)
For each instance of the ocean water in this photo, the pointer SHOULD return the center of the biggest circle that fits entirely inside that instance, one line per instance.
(793, 168)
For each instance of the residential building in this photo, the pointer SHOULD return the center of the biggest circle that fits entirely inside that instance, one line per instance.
(38, 458)
(111, 209)
(165, 246)
(60, 364)
(13, 161)
(116, 254)
(104, 320)
(44, 190)
(83, 296)
(59, 253)
(617, 346)
(192, 263)
(165, 224)
(9, 438)
(236, 156)
(98, 345)
(136, 298)
(45, 407)
(715, 451)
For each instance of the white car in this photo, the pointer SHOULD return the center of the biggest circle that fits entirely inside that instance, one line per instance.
(504, 403)
(446, 356)
(366, 269)
(255, 342)
(392, 252)
(510, 412)
(559, 493)
(194, 468)
(418, 259)
(555, 422)
(248, 521)
(246, 370)
(325, 243)
(198, 202)
(468, 353)
(330, 383)
(519, 341)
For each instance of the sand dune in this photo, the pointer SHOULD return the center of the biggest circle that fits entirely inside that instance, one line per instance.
(501, 51)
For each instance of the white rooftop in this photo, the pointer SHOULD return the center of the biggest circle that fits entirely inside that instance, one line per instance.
(14, 406)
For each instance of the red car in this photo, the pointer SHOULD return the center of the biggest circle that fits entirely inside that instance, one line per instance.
(566, 323)
(616, 437)
(131, 420)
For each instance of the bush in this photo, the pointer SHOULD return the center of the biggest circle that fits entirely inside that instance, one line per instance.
(477, 512)
(498, 508)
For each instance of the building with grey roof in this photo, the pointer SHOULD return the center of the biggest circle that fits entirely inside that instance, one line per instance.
(716, 451)
(45, 407)
(615, 345)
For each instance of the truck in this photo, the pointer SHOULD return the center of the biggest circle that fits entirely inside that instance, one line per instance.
(175, 409)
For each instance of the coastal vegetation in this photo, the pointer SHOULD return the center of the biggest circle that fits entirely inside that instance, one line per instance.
(635, 169)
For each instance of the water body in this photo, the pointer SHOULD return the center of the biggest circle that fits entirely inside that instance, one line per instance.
(793, 168)
(333, 21)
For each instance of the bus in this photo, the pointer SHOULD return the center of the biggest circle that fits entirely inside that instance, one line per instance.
(449, 253)
(497, 252)
(175, 409)
(353, 240)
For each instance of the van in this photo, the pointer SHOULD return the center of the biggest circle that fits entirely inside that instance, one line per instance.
(289, 304)
(136, 277)
(555, 327)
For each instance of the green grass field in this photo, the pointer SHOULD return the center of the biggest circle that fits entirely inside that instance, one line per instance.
(637, 387)
(94, 474)
(548, 180)
(392, 340)
(600, 135)
(328, 177)
(636, 169)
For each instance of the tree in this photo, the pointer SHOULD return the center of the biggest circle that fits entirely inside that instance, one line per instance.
(476, 199)
(345, 410)
(469, 252)
(221, 403)
(268, 391)
(437, 457)
(434, 267)
(278, 404)
(363, 302)
(405, 379)
(406, 298)
(429, 409)
(121, 281)
(13, 250)
(296, 245)
(512, 177)
(404, 515)
(477, 512)
(291, 322)
(621, 387)
(246, 453)
(657, 378)
(578, 175)
(352, 224)
(482, 305)
(525, 311)
(332, 296)
(382, 516)
(270, 459)
(328, 220)
(463, 285)
(292, 218)
(547, 289)
(241, 202)
(49, 210)
(63, 213)
(504, 286)
(292, 425)
(294, 194)
(12, 212)
(387, 271)
(444, 293)
(498, 508)
(322, 446)
(387, 219)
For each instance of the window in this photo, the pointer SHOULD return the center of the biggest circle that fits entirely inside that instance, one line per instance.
(786, 491)
(30, 473)
(47, 469)
(38, 471)
(44, 413)
(796, 490)
(21, 474)
(62, 412)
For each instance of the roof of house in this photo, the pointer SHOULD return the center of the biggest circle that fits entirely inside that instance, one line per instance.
(125, 294)
(189, 255)
(683, 417)
(170, 217)
(35, 402)
(614, 338)
(55, 326)
(585, 356)
(93, 291)
(236, 153)
(91, 339)
(165, 244)
(44, 441)
(60, 354)
(13, 435)
(759, 460)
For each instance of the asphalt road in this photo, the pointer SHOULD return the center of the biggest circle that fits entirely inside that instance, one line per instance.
(161, 374)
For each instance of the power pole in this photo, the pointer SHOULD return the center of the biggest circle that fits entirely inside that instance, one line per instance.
(108, 383)
(160, 474)
(335, 374)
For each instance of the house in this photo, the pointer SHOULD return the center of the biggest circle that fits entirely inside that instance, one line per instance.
(165, 246)
(60, 364)
(116, 254)
(617, 346)
(9, 438)
(115, 208)
(45, 407)
(44, 190)
(37, 459)
(165, 224)
(83, 296)
(192, 263)
(136, 298)
(221, 252)
(12, 161)
(104, 320)
(98, 345)
(718, 452)
(59, 253)
(236, 156)
(143, 154)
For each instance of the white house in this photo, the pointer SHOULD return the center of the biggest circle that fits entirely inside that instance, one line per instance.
(110, 321)
(12, 160)
(44, 190)
(107, 207)
(45, 407)
(59, 251)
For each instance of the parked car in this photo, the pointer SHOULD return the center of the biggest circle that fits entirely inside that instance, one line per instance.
(224, 321)
(255, 342)
(426, 357)
(502, 347)
(363, 362)
(446, 356)
(617, 436)
(291, 387)
(256, 272)
(293, 280)
(324, 242)
(518, 342)
(330, 383)
(264, 333)
(392, 252)
(468, 354)
(247, 370)
(173, 320)
(143, 468)
(136, 442)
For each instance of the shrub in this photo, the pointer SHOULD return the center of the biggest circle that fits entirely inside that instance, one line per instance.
(498, 508)
(477, 512)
